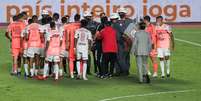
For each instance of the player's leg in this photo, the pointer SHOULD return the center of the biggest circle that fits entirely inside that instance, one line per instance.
(155, 65)
(25, 62)
(37, 62)
(84, 57)
(78, 64)
(56, 60)
(161, 56)
(15, 65)
(15, 54)
(19, 65)
(71, 67)
(61, 66)
(30, 54)
(112, 62)
(167, 61)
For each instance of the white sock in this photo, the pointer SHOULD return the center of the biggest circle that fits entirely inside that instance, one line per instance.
(162, 64)
(19, 70)
(84, 70)
(60, 72)
(168, 66)
(26, 69)
(36, 72)
(45, 71)
(34, 68)
(78, 67)
(32, 71)
(56, 69)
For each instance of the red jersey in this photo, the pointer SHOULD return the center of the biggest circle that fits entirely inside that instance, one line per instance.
(109, 41)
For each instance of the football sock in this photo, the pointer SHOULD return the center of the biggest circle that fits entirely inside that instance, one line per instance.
(168, 66)
(84, 70)
(26, 69)
(78, 67)
(45, 71)
(56, 68)
(162, 64)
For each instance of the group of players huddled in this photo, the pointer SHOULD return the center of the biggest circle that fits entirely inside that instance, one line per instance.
(48, 44)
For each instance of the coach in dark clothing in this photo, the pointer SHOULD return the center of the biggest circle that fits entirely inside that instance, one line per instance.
(123, 56)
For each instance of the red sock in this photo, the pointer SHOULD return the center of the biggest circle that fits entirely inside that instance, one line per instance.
(71, 66)
(155, 65)
(81, 67)
(14, 68)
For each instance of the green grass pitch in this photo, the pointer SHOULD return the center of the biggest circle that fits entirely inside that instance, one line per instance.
(186, 75)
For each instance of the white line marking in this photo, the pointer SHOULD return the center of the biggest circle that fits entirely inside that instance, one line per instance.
(148, 94)
(189, 42)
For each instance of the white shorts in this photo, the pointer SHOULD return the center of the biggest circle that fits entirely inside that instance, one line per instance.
(162, 52)
(42, 52)
(63, 53)
(31, 52)
(82, 54)
(25, 53)
(52, 58)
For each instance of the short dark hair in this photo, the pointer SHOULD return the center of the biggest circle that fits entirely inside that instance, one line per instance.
(77, 17)
(56, 15)
(15, 18)
(19, 16)
(24, 13)
(34, 17)
(63, 20)
(159, 17)
(84, 23)
(52, 24)
(142, 26)
(147, 18)
(30, 21)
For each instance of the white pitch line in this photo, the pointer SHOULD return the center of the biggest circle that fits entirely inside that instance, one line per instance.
(189, 42)
(148, 94)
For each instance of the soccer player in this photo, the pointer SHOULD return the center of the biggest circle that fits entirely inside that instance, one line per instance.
(53, 45)
(13, 34)
(69, 29)
(34, 44)
(25, 46)
(150, 28)
(165, 42)
(64, 53)
(83, 38)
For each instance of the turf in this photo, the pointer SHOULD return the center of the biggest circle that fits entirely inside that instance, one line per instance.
(185, 67)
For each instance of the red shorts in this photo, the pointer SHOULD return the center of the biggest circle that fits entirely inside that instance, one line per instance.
(153, 53)
(15, 51)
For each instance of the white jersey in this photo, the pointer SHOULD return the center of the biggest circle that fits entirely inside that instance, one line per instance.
(45, 29)
(83, 36)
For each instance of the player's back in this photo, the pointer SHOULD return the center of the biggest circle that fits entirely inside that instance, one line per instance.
(15, 28)
(54, 42)
(83, 36)
(34, 39)
(70, 29)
